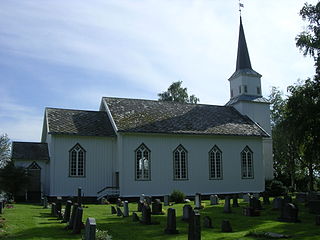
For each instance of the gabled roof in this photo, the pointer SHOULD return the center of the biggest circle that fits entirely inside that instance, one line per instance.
(29, 151)
(78, 122)
(249, 98)
(147, 116)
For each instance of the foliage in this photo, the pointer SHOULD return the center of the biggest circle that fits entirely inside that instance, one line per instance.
(13, 179)
(177, 196)
(275, 188)
(176, 93)
(4, 150)
(102, 235)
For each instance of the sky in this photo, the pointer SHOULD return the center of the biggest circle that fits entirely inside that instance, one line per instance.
(69, 54)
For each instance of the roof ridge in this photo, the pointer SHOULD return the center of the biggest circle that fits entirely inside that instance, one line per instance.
(29, 142)
(68, 109)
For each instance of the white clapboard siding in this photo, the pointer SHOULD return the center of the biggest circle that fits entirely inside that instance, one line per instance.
(198, 147)
(100, 165)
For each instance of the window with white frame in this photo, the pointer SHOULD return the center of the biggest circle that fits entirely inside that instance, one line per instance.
(142, 163)
(246, 163)
(180, 163)
(215, 163)
(77, 158)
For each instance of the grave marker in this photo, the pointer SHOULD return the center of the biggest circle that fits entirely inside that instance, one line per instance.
(77, 225)
(171, 222)
(214, 200)
(194, 230)
(73, 216)
(207, 222)
(235, 201)
(166, 200)
(67, 211)
(157, 207)
(186, 212)
(90, 229)
(119, 212)
(227, 208)
(125, 209)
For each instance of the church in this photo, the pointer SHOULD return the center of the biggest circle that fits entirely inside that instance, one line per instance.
(135, 146)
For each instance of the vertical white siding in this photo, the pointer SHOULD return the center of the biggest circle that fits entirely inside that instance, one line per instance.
(99, 165)
(162, 182)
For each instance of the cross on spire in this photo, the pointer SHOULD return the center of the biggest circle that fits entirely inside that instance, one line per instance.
(240, 6)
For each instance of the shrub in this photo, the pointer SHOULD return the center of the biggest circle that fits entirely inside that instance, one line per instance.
(275, 188)
(101, 235)
(177, 196)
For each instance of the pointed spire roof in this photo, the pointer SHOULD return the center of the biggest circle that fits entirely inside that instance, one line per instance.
(243, 59)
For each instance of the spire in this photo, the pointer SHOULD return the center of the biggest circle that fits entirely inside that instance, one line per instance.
(243, 59)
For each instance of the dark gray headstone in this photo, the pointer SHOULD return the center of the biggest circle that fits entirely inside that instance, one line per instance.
(59, 209)
(73, 215)
(125, 209)
(214, 200)
(146, 214)
(54, 209)
(119, 212)
(227, 207)
(186, 212)
(90, 229)
(78, 224)
(197, 201)
(135, 217)
(67, 211)
(226, 226)
(289, 213)
(140, 204)
(113, 210)
(157, 207)
(207, 222)
(250, 212)
(171, 222)
(235, 201)
(194, 230)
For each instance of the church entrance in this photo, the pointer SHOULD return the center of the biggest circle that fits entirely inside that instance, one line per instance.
(33, 193)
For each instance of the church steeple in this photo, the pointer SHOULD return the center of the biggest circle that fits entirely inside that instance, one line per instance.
(243, 59)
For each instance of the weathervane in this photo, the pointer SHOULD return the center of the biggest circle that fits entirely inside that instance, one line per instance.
(240, 6)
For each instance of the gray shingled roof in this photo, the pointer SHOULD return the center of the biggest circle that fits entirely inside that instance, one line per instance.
(78, 122)
(29, 151)
(250, 98)
(147, 116)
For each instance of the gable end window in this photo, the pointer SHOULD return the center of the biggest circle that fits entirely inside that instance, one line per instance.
(215, 163)
(247, 163)
(180, 163)
(77, 160)
(142, 163)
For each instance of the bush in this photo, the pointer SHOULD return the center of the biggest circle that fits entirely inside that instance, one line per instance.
(275, 188)
(177, 196)
(101, 235)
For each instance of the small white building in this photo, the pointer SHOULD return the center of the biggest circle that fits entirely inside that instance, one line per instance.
(135, 146)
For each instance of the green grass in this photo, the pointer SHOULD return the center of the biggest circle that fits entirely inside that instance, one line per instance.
(25, 221)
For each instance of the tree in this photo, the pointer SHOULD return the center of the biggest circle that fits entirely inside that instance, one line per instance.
(176, 93)
(13, 179)
(4, 150)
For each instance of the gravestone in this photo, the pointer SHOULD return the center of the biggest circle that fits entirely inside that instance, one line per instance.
(171, 222)
(197, 201)
(227, 208)
(119, 212)
(186, 212)
(318, 220)
(58, 209)
(235, 201)
(140, 204)
(125, 209)
(113, 210)
(289, 213)
(79, 199)
(314, 206)
(246, 197)
(255, 203)
(157, 207)
(194, 229)
(146, 214)
(90, 229)
(45, 202)
(78, 224)
(135, 217)
(226, 226)
(214, 200)
(67, 211)
(250, 212)
(278, 203)
(166, 200)
(53, 209)
(73, 216)
(207, 222)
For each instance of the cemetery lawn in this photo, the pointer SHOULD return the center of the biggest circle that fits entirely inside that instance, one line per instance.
(26, 221)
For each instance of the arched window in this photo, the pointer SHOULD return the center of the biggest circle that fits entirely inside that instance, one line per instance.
(247, 163)
(143, 163)
(77, 158)
(215, 163)
(180, 163)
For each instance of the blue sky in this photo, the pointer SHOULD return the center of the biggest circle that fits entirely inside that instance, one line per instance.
(69, 54)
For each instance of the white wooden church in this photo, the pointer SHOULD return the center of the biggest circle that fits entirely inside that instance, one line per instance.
(135, 146)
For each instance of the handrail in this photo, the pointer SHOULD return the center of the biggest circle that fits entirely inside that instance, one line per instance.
(110, 187)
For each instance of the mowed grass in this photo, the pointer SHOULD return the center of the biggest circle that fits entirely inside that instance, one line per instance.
(26, 221)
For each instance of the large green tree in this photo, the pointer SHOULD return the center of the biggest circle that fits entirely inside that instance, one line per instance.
(4, 150)
(177, 93)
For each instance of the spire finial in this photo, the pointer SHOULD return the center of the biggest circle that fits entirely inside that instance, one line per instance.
(240, 6)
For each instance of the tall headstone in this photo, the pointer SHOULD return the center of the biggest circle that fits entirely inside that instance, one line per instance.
(140, 204)
(226, 226)
(214, 200)
(90, 229)
(171, 222)
(146, 214)
(186, 212)
(73, 215)
(157, 207)
(235, 201)
(197, 201)
(79, 200)
(54, 209)
(125, 209)
(67, 211)
(227, 208)
(77, 225)
(119, 212)
(194, 230)
(166, 200)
